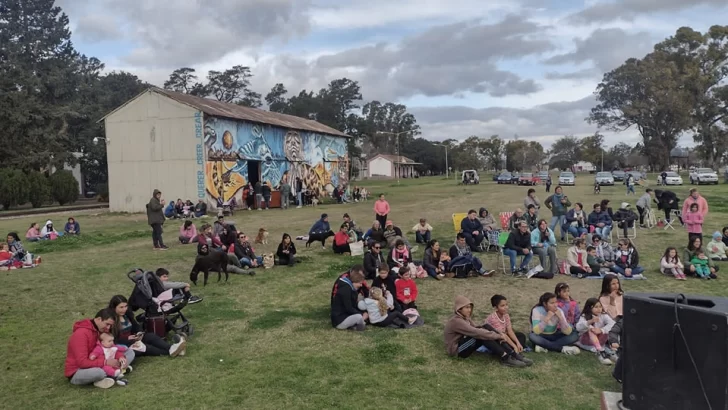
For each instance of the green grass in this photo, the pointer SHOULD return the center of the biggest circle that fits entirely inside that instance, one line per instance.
(266, 341)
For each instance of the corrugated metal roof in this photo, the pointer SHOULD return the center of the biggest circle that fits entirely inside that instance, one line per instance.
(234, 111)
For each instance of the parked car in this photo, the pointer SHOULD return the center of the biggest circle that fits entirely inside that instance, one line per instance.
(495, 176)
(543, 176)
(704, 176)
(567, 178)
(505, 178)
(470, 177)
(673, 178)
(619, 175)
(604, 178)
(528, 178)
(638, 176)
(515, 176)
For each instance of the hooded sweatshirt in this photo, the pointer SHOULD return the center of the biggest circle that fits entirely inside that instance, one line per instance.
(320, 226)
(155, 210)
(554, 204)
(459, 326)
(716, 248)
(45, 230)
(486, 220)
(80, 345)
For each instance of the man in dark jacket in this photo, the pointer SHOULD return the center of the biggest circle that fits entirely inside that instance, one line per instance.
(519, 243)
(258, 195)
(79, 369)
(155, 218)
(472, 229)
(299, 192)
(344, 300)
(373, 260)
(200, 208)
(667, 201)
(320, 231)
(625, 218)
(266, 191)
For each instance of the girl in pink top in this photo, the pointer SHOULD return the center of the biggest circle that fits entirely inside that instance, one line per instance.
(381, 210)
(187, 233)
(694, 222)
(33, 234)
(501, 321)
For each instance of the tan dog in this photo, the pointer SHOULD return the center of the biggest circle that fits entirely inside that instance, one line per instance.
(262, 237)
(268, 260)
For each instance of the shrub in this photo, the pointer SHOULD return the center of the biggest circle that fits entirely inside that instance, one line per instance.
(39, 191)
(64, 187)
(13, 188)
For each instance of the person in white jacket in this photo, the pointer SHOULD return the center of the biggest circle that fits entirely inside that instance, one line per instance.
(378, 309)
(593, 327)
(48, 229)
(670, 264)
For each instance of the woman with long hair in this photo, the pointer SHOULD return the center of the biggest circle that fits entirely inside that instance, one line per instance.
(127, 331)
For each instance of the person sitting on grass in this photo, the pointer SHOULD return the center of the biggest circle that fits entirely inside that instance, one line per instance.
(170, 211)
(200, 208)
(604, 251)
(105, 347)
(576, 257)
(423, 231)
(320, 231)
(695, 245)
(33, 233)
(670, 264)
(576, 221)
(612, 296)
(566, 303)
(725, 236)
(127, 331)
(627, 259)
(463, 337)
(376, 305)
(392, 233)
(700, 262)
(353, 227)
(81, 370)
(16, 247)
(472, 229)
(49, 232)
(519, 243)
(406, 288)
(432, 260)
(342, 240)
(344, 301)
(374, 260)
(72, 227)
(500, 320)
(386, 282)
(461, 255)
(543, 244)
(399, 255)
(245, 254)
(593, 327)
(597, 269)
(188, 233)
(716, 249)
(178, 287)
(286, 251)
(375, 234)
(600, 222)
(550, 331)
(6, 258)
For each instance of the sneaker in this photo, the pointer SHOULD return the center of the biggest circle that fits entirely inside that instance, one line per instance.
(570, 350)
(539, 349)
(298, 207)
(176, 348)
(163, 248)
(414, 249)
(713, 276)
(194, 299)
(129, 369)
(523, 359)
(105, 383)
(260, 209)
(511, 361)
(603, 358)
(122, 382)
(440, 276)
(487, 272)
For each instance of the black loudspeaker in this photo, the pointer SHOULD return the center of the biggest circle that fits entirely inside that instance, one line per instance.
(659, 372)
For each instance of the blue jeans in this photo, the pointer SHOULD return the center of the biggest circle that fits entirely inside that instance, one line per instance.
(298, 199)
(513, 254)
(560, 221)
(576, 232)
(635, 271)
(603, 232)
(247, 263)
(554, 342)
(423, 238)
(630, 188)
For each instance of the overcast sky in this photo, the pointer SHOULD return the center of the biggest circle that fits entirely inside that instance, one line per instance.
(463, 67)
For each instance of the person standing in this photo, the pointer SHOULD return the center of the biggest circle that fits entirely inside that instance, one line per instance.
(696, 198)
(155, 218)
(285, 194)
(548, 184)
(381, 210)
(644, 204)
(259, 196)
(558, 203)
(630, 184)
(299, 192)
(266, 190)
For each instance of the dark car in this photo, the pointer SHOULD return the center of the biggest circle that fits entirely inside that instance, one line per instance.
(619, 175)
(515, 176)
(505, 178)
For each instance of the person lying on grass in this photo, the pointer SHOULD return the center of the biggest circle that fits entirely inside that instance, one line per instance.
(463, 338)
(79, 369)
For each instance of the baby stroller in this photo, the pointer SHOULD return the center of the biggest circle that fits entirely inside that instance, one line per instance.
(162, 310)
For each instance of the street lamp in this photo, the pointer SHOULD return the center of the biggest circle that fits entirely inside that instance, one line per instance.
(447, 168)
(396, 134)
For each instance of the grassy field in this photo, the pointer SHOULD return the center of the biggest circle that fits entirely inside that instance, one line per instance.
(267, 342)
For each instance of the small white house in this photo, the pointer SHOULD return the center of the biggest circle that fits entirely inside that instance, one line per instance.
(391, 166)
(584, 166)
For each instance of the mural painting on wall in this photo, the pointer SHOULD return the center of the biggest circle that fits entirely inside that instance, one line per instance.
(321, 161)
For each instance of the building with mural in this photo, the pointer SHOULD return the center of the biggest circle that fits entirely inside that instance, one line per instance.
(196, 148)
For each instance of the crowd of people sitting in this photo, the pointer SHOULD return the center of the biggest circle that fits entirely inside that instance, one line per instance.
(13, 254)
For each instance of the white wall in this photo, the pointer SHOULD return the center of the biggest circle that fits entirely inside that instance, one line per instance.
(380, 167)
(152, 144)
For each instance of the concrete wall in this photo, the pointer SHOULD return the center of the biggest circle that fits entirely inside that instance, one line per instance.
(154, 142)
(380, 167)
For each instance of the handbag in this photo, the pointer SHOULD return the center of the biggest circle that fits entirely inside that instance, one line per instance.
(156, 325)
(357, 248)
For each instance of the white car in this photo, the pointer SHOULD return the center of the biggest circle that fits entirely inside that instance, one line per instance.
(673, 178)
(604, 178)
(567, 178)
(704, 176)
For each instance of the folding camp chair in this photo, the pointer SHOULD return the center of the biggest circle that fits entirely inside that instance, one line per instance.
(505, 219)
(502, 239)
(457, 218)
(676, 215)
(631, 232)
(650, 218)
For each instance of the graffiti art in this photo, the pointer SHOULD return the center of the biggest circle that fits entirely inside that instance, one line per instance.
(321, 161)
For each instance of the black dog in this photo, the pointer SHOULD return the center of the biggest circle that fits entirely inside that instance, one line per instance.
(215, 261)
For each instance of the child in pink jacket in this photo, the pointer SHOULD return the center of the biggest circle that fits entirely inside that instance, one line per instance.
(106, 347)
(693, 222)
